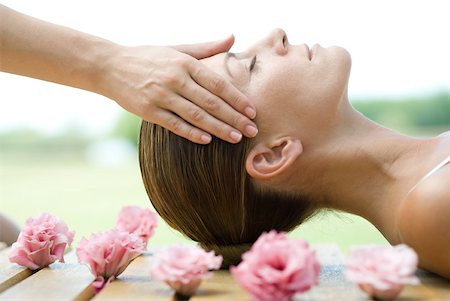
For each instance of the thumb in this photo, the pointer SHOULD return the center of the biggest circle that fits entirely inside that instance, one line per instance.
(202, 50)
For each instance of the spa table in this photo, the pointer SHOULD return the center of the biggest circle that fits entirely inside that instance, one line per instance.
(72, 281)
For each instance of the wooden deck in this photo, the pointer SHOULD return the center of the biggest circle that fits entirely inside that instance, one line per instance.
(72, 281)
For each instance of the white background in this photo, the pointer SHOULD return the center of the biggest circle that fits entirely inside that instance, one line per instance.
(397, 47)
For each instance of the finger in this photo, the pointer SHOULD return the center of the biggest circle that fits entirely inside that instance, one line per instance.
(207, 49)
(222, 88)
(199, 118)
(180, 127)
(218, 109)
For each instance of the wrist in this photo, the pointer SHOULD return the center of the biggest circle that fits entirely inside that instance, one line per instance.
(104, 54)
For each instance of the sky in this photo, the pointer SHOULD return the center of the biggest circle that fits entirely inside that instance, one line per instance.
(398, 47)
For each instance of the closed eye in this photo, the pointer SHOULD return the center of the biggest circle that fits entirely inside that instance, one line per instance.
(253, 63)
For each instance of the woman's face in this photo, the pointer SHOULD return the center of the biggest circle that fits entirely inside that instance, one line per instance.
(287, 83)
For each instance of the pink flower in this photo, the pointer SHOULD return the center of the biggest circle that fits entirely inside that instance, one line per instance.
(108, 254)
(382, 271)
(42, 241)
(183, 267)
(139, 221)
(276, 268)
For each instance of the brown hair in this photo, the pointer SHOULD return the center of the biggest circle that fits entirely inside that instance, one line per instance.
(204, 192)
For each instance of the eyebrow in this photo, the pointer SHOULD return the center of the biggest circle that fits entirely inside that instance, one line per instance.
(225, 62)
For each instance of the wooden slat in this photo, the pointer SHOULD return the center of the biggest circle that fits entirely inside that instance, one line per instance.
(332, 283)
(10, 273)
(334, 286)
(72, 281)
(60, 281)
(135, 284)
(433, 287)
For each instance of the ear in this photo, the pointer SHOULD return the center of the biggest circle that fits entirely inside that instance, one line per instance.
(268, 160)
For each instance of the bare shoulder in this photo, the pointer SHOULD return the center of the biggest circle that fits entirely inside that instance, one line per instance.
(423, 221)
(433, 192)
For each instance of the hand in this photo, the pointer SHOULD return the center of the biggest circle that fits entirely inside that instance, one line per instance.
(170, 87)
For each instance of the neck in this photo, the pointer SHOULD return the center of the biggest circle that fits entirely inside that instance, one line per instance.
(363, 168)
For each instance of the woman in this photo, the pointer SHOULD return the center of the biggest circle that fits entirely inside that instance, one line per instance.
(313, 151)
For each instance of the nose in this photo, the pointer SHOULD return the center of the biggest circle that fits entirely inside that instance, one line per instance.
(277, 39)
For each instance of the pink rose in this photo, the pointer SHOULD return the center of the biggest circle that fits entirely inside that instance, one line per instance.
(183, 267)
(382, 271)
(42, 241)
(139, 221)
(276, 268)
(108, 254)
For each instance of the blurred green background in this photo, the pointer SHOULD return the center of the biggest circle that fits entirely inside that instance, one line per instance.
(86, 180)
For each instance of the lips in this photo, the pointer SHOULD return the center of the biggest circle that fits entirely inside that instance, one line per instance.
(309, 53)
(313, 50)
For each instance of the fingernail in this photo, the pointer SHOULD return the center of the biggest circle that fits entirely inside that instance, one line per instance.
(236, 136)
(251, 130)
(206, 138)
(250, 112)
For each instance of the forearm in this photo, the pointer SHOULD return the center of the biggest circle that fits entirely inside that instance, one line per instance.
(50, 52)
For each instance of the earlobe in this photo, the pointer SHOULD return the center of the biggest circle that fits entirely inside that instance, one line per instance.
(266, 161)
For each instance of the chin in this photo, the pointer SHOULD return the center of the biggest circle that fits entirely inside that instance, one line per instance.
(341, 54)
(343, 63)
(345, 57)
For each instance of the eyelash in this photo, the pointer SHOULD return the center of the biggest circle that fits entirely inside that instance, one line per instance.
(253, 63)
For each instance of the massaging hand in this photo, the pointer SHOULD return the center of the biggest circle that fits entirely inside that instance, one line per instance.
(170, 87)
(163, 85)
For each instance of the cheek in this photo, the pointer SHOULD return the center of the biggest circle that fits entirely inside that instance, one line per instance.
(288, 81)
(272, 93)
(271, 89)
(277, 80)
